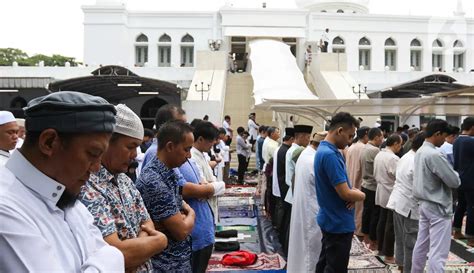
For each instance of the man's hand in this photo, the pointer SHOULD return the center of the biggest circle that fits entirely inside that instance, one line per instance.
(350, 205)
(186, 208)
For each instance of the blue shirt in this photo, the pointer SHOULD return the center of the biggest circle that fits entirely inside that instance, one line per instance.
(330, 171)
(258, 151)
(203, 231)
(159, 187)
(150, 153)
(464, 161)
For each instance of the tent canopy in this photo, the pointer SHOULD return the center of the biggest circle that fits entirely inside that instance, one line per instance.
(436, 105)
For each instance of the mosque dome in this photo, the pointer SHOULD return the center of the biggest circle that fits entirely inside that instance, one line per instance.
(335, 6)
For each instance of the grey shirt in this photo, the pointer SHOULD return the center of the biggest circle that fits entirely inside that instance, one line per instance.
(367, 163)
(243, 148)
(434, 179)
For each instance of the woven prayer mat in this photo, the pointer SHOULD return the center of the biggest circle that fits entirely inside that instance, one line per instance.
(264, 262)
(240, 191)
(238, 228)
(360, 264)
(234, 201)
(358, 248)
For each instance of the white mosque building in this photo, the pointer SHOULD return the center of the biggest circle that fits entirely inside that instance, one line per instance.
(367, 52)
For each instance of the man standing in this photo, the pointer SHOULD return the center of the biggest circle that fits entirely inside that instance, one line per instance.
(270, 144)
(114, 201)
(370, 214)
(434, 179)
(336, 197)
(48, 229)
(229, 131)
(324, 42)
(464, 165)
(252, 129)
(385, 167)
(158, 185)
(405, 206)
(354, 169)
(447, 148)
(281, 207)
(8, 135)
(305, 236)
(262, 130)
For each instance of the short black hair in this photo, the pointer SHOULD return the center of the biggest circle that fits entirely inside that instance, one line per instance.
(240, 130)
(262, 128)
(226, 117)
(418, 141)
(406, 127)
(206, 130)
(174, 131)
(343, 119)
(195, 122)
(287, 137)
(437, 125)
(222, 131)
(467, 123)
(166, 113)
(454, 130)
(394, 139)
(148, 132)
(374, 132)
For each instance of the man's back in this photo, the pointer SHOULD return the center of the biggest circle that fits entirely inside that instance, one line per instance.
(367, 162)
(463, 151)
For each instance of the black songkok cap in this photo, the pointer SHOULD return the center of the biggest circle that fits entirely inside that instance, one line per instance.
(70, 112)
(289, 131)
(303, 129)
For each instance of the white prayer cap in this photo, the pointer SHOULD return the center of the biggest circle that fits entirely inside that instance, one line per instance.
(6, 117)
(128, 123)
(20, 122)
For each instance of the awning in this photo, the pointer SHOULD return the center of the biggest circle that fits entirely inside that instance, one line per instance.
(292, 32)
(461, 105)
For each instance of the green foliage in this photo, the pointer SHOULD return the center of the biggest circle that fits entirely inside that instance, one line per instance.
(10, 55)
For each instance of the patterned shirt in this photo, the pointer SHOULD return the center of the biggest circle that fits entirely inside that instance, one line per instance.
(159, 187)
(116, 205)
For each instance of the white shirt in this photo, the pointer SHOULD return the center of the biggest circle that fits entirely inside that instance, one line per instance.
(253, 129)
(401, 200)
(275, 186)
(325, 37)
(385, 167)
(305, 235)
(226, 126)
(38, 236)
(224, 151)
(290, 171)
(268, 148)
(4, 156)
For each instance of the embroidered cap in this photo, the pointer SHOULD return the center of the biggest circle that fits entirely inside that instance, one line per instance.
(128, 123)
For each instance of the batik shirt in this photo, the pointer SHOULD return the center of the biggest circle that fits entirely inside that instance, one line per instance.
(159, 187)
(116, 205)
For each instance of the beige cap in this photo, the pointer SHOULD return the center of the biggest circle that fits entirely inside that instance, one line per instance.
(319, 136)
(20, 122)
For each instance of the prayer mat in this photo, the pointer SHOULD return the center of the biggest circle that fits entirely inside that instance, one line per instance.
(240, 191)
(264, 262)
(358, 248)
(233, 201)
(238, 228)
(242, 237)
(235, 213)
(241, 221)
(366, 264)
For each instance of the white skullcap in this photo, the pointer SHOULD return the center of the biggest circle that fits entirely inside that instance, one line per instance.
(20, 122)
(128, 123)
(6, 117)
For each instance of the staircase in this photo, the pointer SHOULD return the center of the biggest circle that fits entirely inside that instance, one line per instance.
(238, 103)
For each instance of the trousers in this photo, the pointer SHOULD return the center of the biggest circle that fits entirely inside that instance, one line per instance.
(335, 251)
(385, 232)
(370, 214)
(434, 240)
(406, 232)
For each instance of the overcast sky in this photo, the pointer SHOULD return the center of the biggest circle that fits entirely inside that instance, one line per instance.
(56, 26)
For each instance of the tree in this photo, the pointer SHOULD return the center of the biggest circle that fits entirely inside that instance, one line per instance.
(10, 55)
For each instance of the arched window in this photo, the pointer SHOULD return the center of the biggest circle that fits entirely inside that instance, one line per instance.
(390, 55)
(187, 51)
(364, 41)
(164, 51)
(187, 39)
(165, 38)
(415, 54)
(415, 42)
(340, 11)
(141, 50)
(364, 53)
(437, 61)
(338, 45)
(437, 43)
(458, 56)
(390, 42)
(142, 38)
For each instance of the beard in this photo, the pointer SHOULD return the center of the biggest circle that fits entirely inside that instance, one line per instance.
(66, 200)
